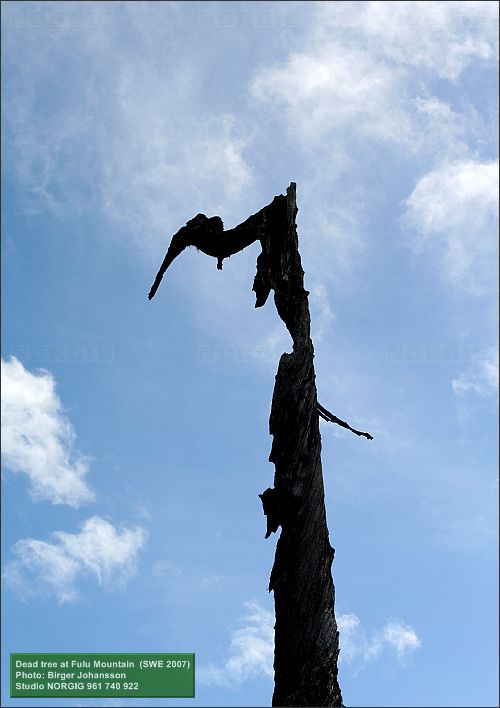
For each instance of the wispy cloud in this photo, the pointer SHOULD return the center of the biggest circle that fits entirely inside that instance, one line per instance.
(354, 76)
(454, 212)
(130, 134)
(331, 87)
(360, 80)
(481, 378)
(251, 651)
(443, 37)
(99, 550)
(358, 649)
(211, 582)
(38, 439)
(321, 313)
(140, 135)
(252, 646)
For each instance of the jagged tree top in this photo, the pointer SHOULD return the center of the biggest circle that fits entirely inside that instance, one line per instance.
(278, 266)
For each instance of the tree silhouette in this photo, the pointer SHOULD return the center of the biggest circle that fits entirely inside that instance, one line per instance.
(306, 636)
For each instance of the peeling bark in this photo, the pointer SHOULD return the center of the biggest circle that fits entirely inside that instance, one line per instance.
(306, 636)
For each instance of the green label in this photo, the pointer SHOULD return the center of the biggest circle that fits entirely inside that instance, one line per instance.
(124, 675)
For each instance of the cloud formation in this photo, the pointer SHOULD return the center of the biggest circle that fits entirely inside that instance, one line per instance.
(443, 37)
(142, 137)
(128, 134)
(251, 651)
(99, 550)
(355, 73)
(454, 212)
(327, 88)
(38, 439)
(357, 649)
(481, 378)
(357, 91)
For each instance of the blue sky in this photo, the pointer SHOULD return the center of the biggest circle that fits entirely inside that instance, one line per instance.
(136, 433)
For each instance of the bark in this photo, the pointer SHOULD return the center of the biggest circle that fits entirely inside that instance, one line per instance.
(306, 636)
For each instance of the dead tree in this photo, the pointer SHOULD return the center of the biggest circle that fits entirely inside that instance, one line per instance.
(306, 636)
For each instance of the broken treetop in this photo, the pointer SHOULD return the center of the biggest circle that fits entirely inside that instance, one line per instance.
(278, 265)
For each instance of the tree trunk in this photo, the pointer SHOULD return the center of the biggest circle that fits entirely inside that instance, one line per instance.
(306, 636)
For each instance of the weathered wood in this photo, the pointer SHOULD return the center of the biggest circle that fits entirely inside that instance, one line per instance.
(306, 636)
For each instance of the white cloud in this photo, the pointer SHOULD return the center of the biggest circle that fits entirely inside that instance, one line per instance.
(401, 637)
(481, 378)
(138, 133)
(332, 241)
(358, 649)
(332, 87)
(129, 132)
(252, 646)
(355, 75)
(99, 550)
(443, 198)
(251, 651)
(38, 439)
(441, 132)
(443, 37)
(454, 212)
(361, 79)
(166, 171)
